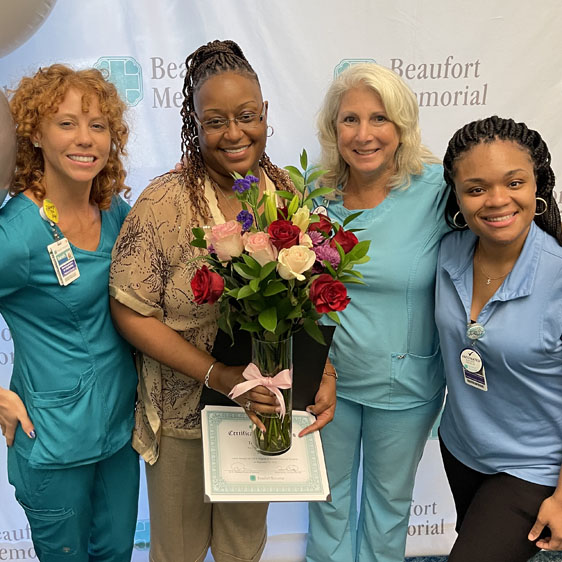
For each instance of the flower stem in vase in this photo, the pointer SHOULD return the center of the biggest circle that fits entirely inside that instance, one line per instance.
(274, 358)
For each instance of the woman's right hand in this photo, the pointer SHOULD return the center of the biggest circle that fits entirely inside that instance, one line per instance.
(258, 399)
(12, 412)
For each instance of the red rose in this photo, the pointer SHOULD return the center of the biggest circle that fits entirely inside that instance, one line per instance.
(283, 234)
(323, 225)
(207, 286)
(328, 294)
(347, 240)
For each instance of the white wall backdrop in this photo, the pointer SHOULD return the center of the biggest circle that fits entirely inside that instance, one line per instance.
(464, 60)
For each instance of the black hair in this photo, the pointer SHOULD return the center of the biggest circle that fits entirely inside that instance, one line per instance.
(496, 128)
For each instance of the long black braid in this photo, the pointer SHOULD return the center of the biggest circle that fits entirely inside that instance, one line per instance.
(209, 60)
(488, 130)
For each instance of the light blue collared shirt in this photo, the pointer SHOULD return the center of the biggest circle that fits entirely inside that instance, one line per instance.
(516, 425)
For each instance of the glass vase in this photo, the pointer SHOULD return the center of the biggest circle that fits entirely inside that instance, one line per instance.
(271, 357)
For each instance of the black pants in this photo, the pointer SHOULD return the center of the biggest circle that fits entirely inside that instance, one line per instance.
(495, 513)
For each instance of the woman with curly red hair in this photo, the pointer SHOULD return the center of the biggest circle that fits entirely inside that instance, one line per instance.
(68, 415)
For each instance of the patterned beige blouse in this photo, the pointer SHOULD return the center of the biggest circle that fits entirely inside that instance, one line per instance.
(150, 275)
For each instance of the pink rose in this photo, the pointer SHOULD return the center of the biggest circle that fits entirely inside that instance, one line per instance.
(259, 246)
(294, 261)
(226, 240)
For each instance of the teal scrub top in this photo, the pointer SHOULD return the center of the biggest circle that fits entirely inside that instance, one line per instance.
(386, 350)
(72, 370)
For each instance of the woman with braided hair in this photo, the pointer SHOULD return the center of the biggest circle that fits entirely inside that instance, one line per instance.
(224, 131)
(498, 299)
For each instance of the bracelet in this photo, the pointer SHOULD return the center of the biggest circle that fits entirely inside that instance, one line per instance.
(208, 373)
(334, 374)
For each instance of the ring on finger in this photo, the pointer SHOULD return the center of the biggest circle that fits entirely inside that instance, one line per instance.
(248, 405)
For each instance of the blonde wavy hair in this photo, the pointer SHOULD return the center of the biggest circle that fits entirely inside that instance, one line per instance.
(401, 108)
(38, 97)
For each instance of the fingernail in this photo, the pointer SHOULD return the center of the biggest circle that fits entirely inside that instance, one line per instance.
(32, 434)
(309, 410)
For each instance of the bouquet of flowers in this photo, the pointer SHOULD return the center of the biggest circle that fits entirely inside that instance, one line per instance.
(276, 270)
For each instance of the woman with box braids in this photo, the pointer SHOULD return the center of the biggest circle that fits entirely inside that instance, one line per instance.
(498, 295)
(224, 131)
(486, 130)
(207, 61)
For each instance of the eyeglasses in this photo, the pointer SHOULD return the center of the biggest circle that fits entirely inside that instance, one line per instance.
(246, 120)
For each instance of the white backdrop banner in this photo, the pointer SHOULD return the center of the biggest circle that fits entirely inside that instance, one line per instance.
(464, 60)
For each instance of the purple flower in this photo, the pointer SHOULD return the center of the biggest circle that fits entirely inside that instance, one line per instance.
(325, 253)
(246, 219)
(316, 237)
(241, 185)
(252, 179)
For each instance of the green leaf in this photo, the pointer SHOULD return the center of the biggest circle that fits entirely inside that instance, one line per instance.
(255, 285)
(284, 194)
(312, 329)
(319, 192)
(296, 177)
(296, 312)
(268, 319)
(351, 217)
(250, 326)
(233, 292)
(198, 232)
(267, 269)
(304, 159)
(199, 243)
(244, 271)
(350, 279)
(333, 316)
(359, 250)
(273, 288)
(244, 292)
(252, 264)
(316, 173)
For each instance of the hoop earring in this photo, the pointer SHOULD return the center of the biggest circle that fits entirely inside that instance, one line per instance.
(195, 141)
(269, 131)
(456, 223)
(545, 207)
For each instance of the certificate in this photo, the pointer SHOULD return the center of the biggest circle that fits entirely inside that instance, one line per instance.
(236, 472)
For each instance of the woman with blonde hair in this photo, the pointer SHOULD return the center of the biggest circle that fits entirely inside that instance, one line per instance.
(68, 415)
(386, 352)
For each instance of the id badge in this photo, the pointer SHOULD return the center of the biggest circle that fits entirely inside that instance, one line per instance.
(473, 369)
(63, 260)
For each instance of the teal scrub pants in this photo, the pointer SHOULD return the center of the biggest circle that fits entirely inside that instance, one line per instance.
(393, 442)
(86, 513)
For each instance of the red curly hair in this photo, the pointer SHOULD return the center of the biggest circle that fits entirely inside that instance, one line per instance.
(39, 96)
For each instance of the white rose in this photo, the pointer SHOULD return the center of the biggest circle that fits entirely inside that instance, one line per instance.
(294, 261)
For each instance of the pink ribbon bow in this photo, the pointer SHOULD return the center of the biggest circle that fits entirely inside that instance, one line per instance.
(254, 378)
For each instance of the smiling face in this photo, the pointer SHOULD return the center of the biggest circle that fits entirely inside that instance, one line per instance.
(496, 189)
(75, 143)
(367, 139)
(236, 149)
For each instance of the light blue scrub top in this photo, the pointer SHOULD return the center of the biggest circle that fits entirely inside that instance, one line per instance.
(386, 350)
(72, 370)
(516, 425)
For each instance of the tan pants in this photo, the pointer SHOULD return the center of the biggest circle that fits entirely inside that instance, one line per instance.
(183, 526)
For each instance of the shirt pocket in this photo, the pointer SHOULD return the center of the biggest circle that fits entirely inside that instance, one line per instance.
(416, 379)
(70, 424)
